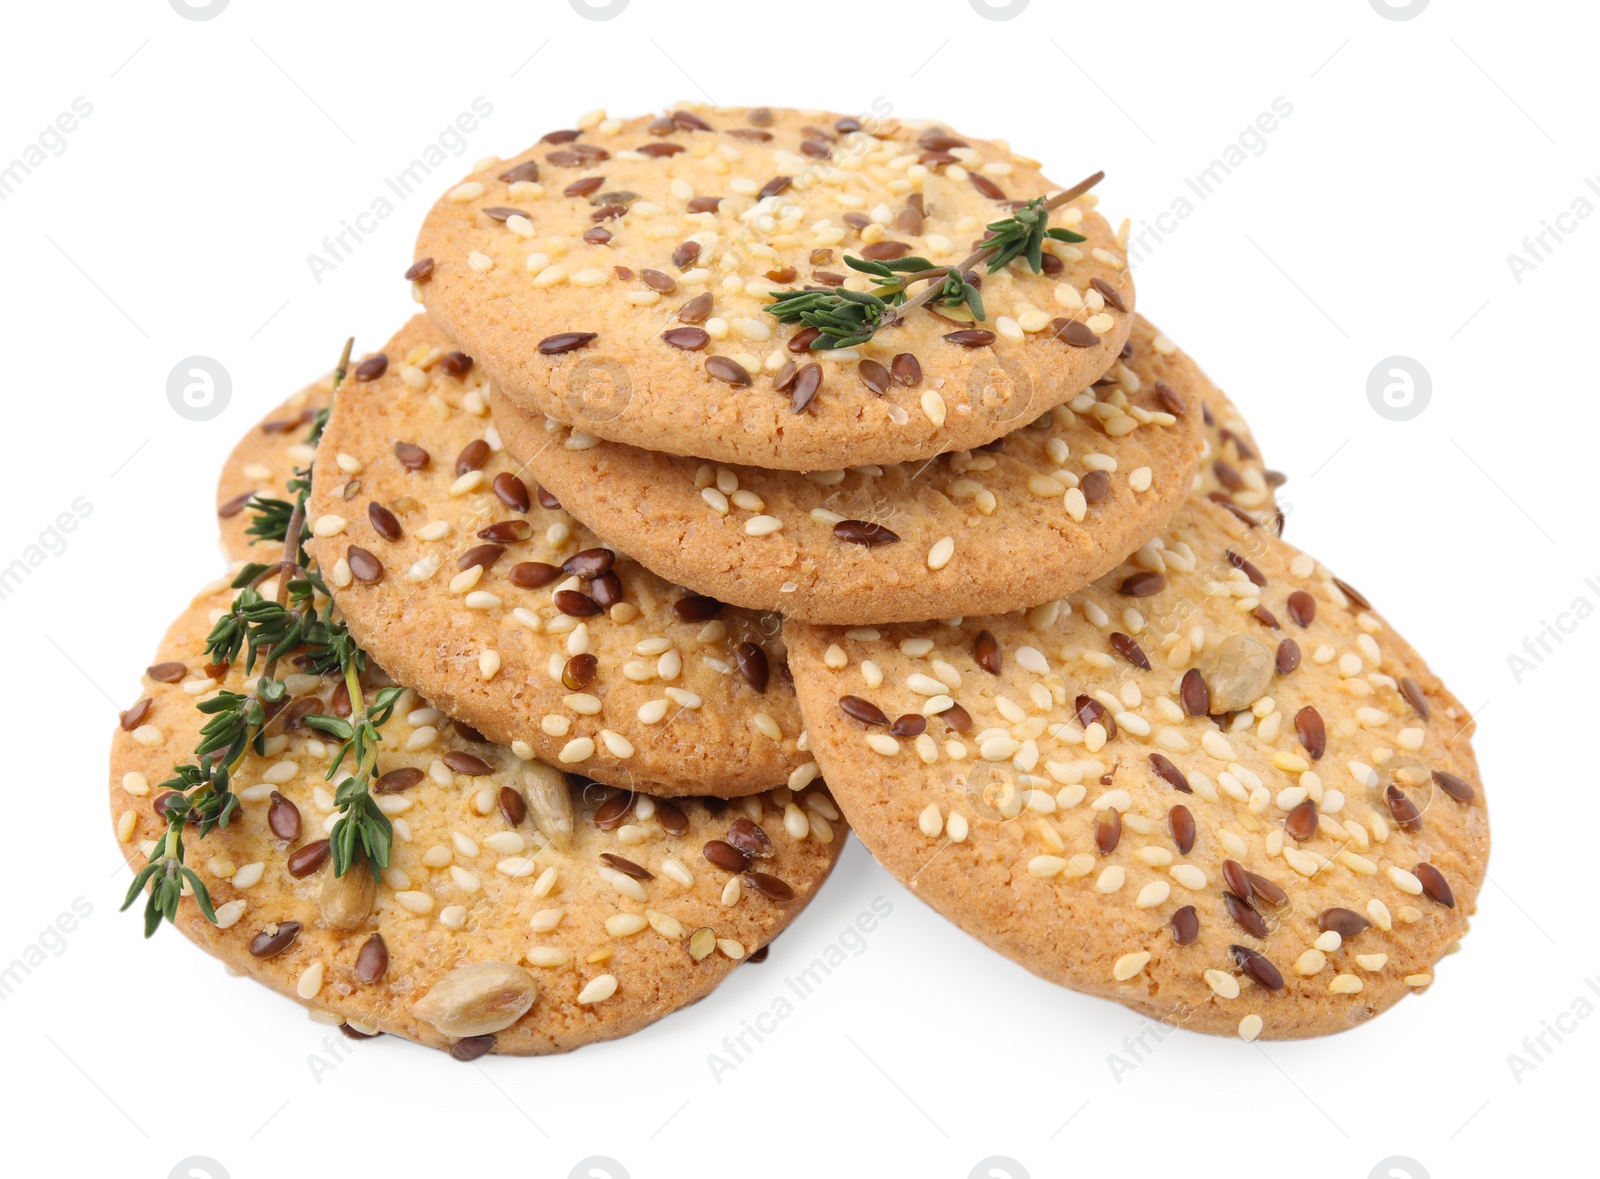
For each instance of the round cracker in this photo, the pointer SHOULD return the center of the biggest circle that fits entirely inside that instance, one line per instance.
(508, 257)
(499, 894)
(976, 532)
(1028, 784)
(714, 733)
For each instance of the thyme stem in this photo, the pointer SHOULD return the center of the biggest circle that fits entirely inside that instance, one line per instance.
(985, 248)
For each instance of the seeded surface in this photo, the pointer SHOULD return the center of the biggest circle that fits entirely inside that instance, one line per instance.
(601, 951)
(1037, 514)
(262, 464)
(512, 617)
(1213, 786)
(616, 278)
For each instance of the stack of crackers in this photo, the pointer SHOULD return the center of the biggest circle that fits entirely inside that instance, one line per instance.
(679, 594)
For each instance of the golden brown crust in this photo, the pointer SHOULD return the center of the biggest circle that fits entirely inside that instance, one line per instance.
(630, 386)
(1000, 537)
(493, 653)
(1030, 878)
(655, 974)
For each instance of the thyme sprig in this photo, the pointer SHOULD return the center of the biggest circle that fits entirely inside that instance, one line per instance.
(847, 318)
(270, 516)
(200, 792)
(362, 829)
(267, 630)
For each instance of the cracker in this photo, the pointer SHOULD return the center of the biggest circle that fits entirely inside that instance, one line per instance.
(1037, 514)
(514, 265)
(674, 696)
(1044, 818)
(465, 885)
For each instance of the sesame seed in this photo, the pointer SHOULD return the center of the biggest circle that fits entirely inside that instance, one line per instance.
(623, 883)
(1129, 965)
(576, 750)
(1310, 962)
(625, 924)
(1223, 983)
(886, 745)
(1079, 865)
(926, 685)
(1404, 881)
(598, 989)
(1153, 894)
(414, 902)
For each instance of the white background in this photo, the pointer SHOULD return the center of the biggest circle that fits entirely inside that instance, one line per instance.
(1376, 221)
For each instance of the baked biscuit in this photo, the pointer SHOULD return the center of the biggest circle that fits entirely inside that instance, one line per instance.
(618, 279)
(505, 883)
(456, 577)
(1213, 786)
(1033, 516)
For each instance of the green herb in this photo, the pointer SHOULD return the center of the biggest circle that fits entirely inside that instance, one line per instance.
(319, 421)
(361, 827)
(847, 318)
(166, 873)
(270, 516)
(265, 630)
